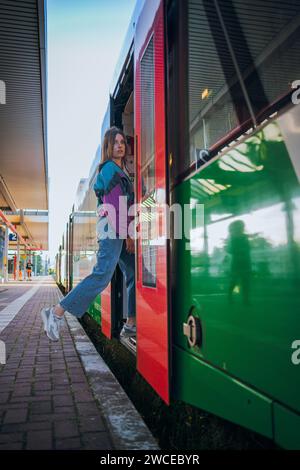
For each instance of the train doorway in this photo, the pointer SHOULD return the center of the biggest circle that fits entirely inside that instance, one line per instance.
(138, 107)
(152, 195)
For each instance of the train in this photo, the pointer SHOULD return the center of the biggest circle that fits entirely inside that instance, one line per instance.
(207, 93)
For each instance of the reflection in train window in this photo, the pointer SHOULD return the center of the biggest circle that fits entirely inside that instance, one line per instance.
(148, 166)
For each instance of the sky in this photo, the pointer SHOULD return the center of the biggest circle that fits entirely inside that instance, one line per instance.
(84, 39)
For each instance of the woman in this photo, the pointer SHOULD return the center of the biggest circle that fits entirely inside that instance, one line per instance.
(113, 189)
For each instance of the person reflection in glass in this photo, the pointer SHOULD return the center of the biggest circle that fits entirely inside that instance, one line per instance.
(238, 247)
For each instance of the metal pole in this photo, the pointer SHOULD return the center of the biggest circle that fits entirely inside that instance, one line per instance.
(5, 264)
(35, 265)
(18, 258)
(24, 265)
(15, 267)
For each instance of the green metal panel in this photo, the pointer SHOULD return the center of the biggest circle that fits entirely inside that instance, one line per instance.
(286, 426)
(221, 394)
(242, 271)
(94, 309)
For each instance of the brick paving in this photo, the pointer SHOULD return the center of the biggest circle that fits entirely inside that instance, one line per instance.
(45, 398)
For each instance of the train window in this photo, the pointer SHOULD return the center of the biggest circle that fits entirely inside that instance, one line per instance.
(148, 166)
(241, 58)
(216, 101)
(265, 37)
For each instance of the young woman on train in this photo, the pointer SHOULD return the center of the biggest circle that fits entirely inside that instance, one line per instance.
(114, 192)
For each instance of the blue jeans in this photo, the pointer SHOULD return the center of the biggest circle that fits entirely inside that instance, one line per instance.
(110, 253)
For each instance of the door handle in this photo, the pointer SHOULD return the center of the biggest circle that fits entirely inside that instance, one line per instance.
(193, 331)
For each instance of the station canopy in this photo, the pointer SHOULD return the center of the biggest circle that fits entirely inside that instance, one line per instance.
(23, 144)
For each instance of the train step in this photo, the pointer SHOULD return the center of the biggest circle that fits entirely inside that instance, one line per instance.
(129, 343)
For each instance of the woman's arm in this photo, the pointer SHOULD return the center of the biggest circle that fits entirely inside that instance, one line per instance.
(130, 245)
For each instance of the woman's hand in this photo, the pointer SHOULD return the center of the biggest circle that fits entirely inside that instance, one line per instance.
(130, 245)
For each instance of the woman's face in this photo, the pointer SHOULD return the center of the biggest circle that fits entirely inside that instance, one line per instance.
(119, 147)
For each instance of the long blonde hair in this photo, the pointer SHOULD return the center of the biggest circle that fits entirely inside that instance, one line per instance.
(109, 141)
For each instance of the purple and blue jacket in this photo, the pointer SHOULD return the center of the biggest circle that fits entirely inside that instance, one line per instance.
(113, 189)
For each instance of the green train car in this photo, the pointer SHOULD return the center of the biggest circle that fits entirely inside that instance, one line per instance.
(208, 94)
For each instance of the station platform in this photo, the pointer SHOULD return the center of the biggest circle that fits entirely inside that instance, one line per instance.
(58, 395)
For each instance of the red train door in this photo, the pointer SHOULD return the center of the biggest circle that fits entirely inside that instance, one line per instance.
(151, 287)
(106, 311)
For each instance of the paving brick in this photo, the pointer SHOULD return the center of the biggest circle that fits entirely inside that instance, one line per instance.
(79, 387)
(68, 346)
(30, 399)
(53, 417)
(21, 391)
(91, 424)
(84, 397)
(64, 429)
(8, 378)
(21, 427)
(6, 387)
(76, 372)
(62, 400)
(58, 365)
(11, 370)
(41, 407)
(96, 441)
(13, 406)
(87, 409)
(10, 437)
(31, 347)
(78, 379)
(43, 359)
(43, 351)
(57, 357)
(68, 444)
(7, 373)
(70, 356)
(25, 374)
(60, 380)
(13, 363)
(4, 397)
(44, 369)
(15, 416)
(39, 386)
(24, 368)
(71, 410)
(23, 382)
(72, 361)
(39, 440)
(61, 389)
(12, 446)
(41, 377)
(43, 394)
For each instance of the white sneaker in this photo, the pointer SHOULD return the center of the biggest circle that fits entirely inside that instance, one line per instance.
(52, 324)
(128, 331)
